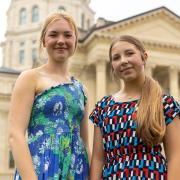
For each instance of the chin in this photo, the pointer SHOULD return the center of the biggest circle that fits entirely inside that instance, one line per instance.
(61, 56)
(129, 78)
(60, 59)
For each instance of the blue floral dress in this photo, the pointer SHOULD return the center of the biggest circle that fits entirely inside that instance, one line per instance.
(57, 150)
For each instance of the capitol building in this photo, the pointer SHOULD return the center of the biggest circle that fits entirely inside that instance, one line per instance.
(158, 29)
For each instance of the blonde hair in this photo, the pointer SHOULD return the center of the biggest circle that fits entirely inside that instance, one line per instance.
(54, 17)
(150, 116)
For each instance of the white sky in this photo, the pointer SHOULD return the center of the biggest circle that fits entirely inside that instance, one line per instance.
(109, 9)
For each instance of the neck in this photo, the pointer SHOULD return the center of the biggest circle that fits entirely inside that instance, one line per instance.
(133, 87)
(60, 68)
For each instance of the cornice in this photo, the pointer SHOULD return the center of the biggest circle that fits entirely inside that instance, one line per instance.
(20, 32)
(162, 11)
(5, 96)
(171, 46)
(96, 36)
(5, 70)
(150, 43)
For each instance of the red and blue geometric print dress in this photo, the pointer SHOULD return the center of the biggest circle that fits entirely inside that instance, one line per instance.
(126, 157)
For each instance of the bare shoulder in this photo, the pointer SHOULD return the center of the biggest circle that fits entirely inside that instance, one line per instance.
(30, 73)
(27, 79)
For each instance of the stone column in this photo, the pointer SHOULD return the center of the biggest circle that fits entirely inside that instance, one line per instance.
(7, 54)
(100, 79)
(15, 52)
(174, 82)
(3, 140)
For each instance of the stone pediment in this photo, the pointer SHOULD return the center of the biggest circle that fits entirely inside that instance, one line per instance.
(158, 30)
(155, 31)
(159, 24)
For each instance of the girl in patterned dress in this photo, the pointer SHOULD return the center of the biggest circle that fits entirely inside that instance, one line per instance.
(131, 125)
(52, 106)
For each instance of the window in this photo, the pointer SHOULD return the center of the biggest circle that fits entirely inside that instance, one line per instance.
(35, 14)
(21, 56)
(62, 8)
(21, 44)
(34, 55)
(88, 23)
(82, 21)
(11, 160)
(22, 16)
(33, 42)
(21, 52)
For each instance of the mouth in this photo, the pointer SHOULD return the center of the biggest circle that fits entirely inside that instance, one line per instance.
(60, 49)
(125, 69)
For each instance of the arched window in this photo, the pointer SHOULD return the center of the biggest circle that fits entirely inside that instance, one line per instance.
(35, 14)
(22, 16)
(61, 8)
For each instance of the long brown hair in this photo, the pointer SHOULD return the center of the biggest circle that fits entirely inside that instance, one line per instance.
(150, 116)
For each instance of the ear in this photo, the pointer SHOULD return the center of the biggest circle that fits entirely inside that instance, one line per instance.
(145, 57)
(44, 44)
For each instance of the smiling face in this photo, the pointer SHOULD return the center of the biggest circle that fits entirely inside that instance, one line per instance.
(127, 60)
(59, 40)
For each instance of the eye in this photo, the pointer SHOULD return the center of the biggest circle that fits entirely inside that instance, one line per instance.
(52, 35)
(129, 53)
(68, 34)
(115, 57)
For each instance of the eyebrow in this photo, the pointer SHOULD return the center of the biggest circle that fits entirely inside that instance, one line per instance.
(129, 50)
(126, 50)
(68, 31)
(54, 31)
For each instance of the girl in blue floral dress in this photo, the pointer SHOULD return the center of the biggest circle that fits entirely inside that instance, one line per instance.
(131, 124)
(51, 105)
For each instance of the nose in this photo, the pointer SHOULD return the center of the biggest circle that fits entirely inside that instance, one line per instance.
(60, 39)
(124, 60)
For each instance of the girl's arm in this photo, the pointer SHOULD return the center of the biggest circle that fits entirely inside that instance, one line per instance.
(172, 149)
(84, 131)
(97, 161)
(20, 110)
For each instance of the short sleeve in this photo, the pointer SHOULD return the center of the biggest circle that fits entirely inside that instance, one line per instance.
(171, 108)
(96, 115)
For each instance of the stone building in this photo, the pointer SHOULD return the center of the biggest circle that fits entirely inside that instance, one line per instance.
(158, 29)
